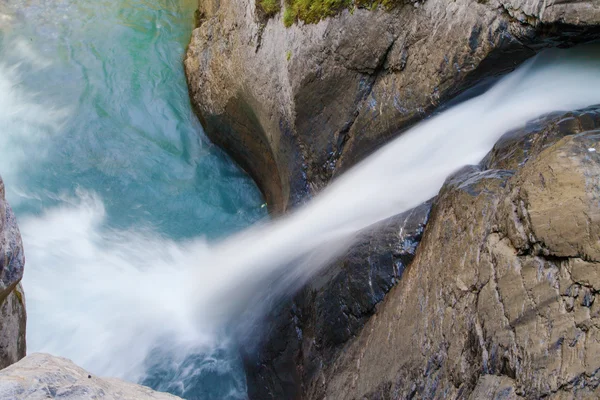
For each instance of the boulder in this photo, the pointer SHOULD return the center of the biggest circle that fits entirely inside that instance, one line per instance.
(42, 376)
(296, 106)
(500, 300)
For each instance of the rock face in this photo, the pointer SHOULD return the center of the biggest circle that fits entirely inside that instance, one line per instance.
(12, 300)
(42, 376)
(13, 319)
(500, 300)
(306, 333)
(294, 106)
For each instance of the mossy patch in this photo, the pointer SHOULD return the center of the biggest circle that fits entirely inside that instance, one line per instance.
(269, 7)
(312, 11)
(19, 296)
(288, 17)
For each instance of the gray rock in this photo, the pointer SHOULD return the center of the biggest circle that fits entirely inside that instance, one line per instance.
(304, 334)
(295, 106)
(13, 319)
(12, 259)
(42, 376)
(499, 301)
(494, 387)
(12, 299)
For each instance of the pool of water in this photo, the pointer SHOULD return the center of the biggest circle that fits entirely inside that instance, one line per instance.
(108, 170)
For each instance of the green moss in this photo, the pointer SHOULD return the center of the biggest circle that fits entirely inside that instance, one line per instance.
(19, 296)
(288, 17)
(312, 11)
(288, 55)
(270, 7)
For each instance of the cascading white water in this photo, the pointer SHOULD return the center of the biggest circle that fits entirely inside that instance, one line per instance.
(113, 295)
(400, 176)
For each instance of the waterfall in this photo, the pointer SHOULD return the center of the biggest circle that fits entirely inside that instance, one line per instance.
(109, 298)
(406, 172)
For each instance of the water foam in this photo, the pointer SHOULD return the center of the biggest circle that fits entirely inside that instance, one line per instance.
(103, 297)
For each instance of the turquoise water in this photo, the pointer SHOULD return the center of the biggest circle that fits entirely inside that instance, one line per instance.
(98, 141)
(115, 67)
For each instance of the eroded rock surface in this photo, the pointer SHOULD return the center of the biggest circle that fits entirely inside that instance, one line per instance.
(12, 300)
(304, 335)
(294, 106)
(500, 300)
(42, 376)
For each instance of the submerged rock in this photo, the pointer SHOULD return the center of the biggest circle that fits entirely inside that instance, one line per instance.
(12, 300)
(42, 376)
(500, 300)
(295, 106)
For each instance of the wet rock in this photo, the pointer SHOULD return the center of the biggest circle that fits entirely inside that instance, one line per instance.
(296, 106)
(12, 299)
(304, 334)
(42, 376)
(499, 301)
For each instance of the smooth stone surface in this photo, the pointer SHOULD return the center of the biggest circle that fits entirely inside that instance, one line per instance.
(42, 376)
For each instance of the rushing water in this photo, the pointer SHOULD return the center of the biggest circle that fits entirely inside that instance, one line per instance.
(120, 202)
(105, 166)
